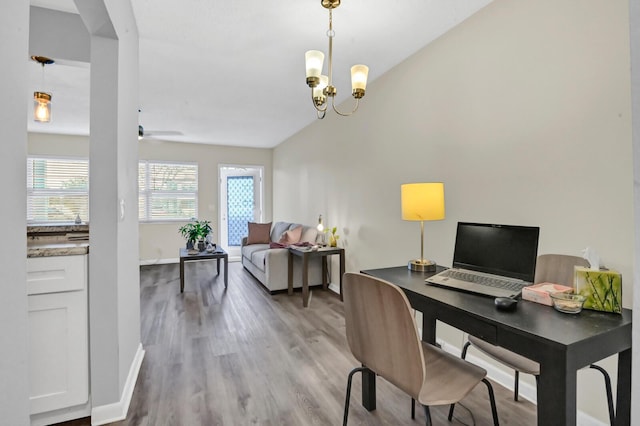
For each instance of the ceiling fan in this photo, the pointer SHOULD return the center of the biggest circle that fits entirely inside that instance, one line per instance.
(156, 134)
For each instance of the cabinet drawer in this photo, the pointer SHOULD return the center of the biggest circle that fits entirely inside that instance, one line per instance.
(56, 274)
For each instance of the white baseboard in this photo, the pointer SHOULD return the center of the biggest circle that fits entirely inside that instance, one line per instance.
(158, 261)
(118, 411)
(335, 288)
(62, 415)
(526, 390)
(145, 262)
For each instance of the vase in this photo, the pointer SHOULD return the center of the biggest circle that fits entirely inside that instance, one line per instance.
(202, 245)
(333, 241)
(189, 245)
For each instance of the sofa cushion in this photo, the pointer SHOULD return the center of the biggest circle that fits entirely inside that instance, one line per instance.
(278, 230)
(247, 251)
(291, 236)
(309, 234)
(258, 233)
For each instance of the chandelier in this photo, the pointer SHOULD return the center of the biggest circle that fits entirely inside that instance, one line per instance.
(322, 85)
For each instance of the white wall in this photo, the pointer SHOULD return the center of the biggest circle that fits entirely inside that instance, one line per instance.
(160, 242)
(634, 25)
(523, 111)
(14, 337)
(71, 40)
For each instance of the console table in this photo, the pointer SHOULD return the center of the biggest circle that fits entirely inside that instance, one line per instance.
(218, 254)
(306, 253)
(561, 343)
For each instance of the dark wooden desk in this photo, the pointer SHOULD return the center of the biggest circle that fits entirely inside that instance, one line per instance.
(306, 254)
(203, 255)
(561, 343)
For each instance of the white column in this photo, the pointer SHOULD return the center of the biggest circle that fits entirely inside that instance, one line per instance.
(14, 356)
(114, 279)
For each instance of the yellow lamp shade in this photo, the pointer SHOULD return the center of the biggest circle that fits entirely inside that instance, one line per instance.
(422, 201)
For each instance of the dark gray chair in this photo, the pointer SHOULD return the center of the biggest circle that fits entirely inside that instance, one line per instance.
(557, 269)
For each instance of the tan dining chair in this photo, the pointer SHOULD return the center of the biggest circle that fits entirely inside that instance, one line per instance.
(383, 336)
(553, 268)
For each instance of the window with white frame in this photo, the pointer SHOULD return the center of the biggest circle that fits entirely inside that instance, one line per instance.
(167, 191)
(57, 189)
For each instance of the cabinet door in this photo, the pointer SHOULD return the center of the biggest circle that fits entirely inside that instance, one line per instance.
(58, 352)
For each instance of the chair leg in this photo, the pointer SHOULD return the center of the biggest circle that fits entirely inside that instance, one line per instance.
(464, 350)
(451, 412)
(607, 384)
(427, 414)
(348, 396)
(492, 400)
(413, 408)
(516, 385)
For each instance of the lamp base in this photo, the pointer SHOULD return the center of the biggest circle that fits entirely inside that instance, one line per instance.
(423, 265)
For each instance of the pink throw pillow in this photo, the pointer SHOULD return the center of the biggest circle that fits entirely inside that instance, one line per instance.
(291, 236)
(259, 233)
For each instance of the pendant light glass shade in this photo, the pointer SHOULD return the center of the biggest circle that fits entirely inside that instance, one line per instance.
(42, 107)
(314, 59)
(359, 74)
(318, 92)
(42, 100)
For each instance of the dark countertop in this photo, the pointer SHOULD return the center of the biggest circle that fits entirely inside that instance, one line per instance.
(57, 240)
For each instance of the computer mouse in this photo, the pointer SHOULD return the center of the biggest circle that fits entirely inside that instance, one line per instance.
(506, 303)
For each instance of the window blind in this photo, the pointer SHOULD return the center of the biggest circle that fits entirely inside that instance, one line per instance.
(57, 189)
(167, 191)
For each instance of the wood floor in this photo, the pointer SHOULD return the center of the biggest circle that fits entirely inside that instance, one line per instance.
(244, 357)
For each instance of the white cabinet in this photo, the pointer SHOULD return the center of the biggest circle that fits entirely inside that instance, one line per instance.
(58, 332)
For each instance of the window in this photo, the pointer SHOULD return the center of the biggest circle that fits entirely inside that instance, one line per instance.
(168, 191)
(57, 189)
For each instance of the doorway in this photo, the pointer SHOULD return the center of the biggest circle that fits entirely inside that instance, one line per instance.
(240, 202)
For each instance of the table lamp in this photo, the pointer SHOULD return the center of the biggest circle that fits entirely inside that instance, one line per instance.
(422, 201)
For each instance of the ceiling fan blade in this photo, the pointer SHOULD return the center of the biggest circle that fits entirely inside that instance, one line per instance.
(163, 133)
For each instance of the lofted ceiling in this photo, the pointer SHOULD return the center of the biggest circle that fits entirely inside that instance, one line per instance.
(232, 72)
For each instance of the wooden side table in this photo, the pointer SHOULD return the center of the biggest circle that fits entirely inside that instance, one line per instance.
(203, 255)
(306, 253)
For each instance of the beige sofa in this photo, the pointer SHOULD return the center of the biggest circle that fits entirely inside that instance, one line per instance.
(270, 266)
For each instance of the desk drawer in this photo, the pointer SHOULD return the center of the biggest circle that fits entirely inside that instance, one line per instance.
(484, 331)
(468, 323)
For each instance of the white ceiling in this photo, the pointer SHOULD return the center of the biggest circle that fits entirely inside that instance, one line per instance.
(232, 72)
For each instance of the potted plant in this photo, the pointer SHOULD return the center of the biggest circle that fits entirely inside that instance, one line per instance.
(196, 231)
(333, 238)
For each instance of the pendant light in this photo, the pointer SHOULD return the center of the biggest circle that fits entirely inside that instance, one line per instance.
(42, 100)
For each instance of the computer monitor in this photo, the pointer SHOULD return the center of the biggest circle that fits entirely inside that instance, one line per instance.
(505, 250)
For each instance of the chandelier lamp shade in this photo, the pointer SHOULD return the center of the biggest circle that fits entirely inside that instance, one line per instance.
(322, 85)
(42, 100)
(420, 202)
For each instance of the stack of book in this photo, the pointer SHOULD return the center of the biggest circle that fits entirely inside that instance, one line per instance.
(539, 293)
